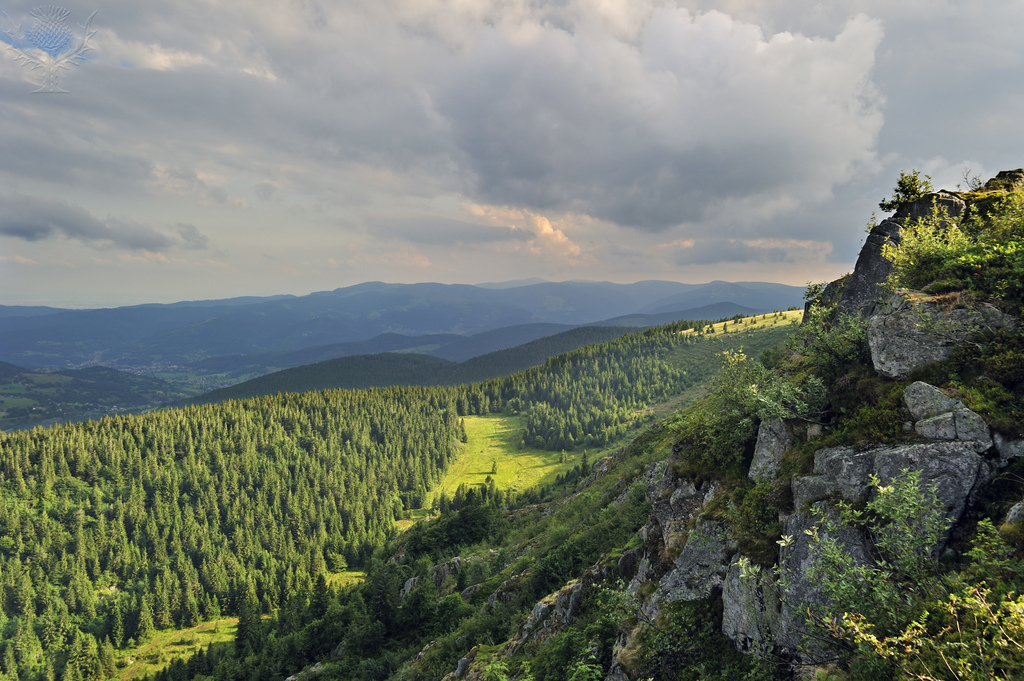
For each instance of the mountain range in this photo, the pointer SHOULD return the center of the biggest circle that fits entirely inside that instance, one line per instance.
(451, 321)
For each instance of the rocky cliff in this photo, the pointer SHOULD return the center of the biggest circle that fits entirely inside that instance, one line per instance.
(690, 549)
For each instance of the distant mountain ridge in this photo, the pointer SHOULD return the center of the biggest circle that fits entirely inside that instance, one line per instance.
(387, 369)
(171, 337)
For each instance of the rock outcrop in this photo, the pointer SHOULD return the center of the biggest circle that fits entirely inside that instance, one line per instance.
(862, 290)
(700, 568)
(912, 330)
(752, 611)
(773, 439)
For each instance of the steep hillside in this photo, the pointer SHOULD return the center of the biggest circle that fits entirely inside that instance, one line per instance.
(847, 506)
(112, 529)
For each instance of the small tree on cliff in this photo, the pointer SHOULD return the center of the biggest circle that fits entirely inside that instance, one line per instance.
(910, 187)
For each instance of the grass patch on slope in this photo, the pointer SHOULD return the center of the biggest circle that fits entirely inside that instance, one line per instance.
(156, 653)
(497, 439)
(757, 322)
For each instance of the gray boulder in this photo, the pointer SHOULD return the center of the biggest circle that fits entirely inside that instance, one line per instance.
(912, 330)
(1009, 449)
(1006, 179)
(773, 439)
(802, 593)
(700, 567)
(470, 592)
(409, 585)
(940, 417)
(751, 609)
(962, 424)
(840, 472)
(925, 401)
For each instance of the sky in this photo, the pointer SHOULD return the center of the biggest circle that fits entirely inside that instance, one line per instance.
(210, 149)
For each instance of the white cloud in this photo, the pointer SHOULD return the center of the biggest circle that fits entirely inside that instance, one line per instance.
(600, 129)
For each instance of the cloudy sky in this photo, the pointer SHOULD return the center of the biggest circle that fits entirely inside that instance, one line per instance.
(209, 149)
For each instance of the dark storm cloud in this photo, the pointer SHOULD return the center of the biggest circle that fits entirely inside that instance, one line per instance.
(773, 126)
(702, 112)
(33, 218)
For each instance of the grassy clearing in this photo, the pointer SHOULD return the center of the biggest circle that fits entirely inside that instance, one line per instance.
(497, 439)
(414, 516)
(343, 579)
(168, 644)
(760, 321)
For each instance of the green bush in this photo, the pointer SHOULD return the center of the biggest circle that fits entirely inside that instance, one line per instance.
(718, 431)
(754, 519)
(982, 254)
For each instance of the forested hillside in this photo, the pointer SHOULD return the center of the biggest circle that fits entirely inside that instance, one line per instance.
(848, 506)
(110, 529)
(393, 368)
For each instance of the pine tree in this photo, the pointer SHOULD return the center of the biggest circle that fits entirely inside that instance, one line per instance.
(144, 628)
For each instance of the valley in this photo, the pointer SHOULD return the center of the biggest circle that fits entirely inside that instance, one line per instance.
(734, 499)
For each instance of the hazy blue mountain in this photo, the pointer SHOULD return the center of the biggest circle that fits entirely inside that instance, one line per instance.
(266, 362)
(26, 311)
(464, 348)
(389, 368)
(760, 296)
(170, 337)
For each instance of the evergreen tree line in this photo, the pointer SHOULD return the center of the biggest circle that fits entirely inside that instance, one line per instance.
(110, 529)
(114, 528)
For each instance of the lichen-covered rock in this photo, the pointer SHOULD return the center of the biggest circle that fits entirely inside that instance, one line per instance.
(962, 424)
(750, 609)
(469, 592)
(505, 591)
(954, 467)
(409, 585)
(940, 417)
(1006, 179)
(674, 502)
(773, 439)
(912, 331)
(839, 471)
(803, 593)
(862, 289)
(925, 401)
(700, 567)
(628, 564)
(442, 572)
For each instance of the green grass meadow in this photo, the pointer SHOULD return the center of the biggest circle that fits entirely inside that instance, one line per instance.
(157, 653)
(498, 439)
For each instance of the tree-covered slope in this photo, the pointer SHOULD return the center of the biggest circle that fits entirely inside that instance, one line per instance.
(384, 369)
(111, 528)
(813, 514)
